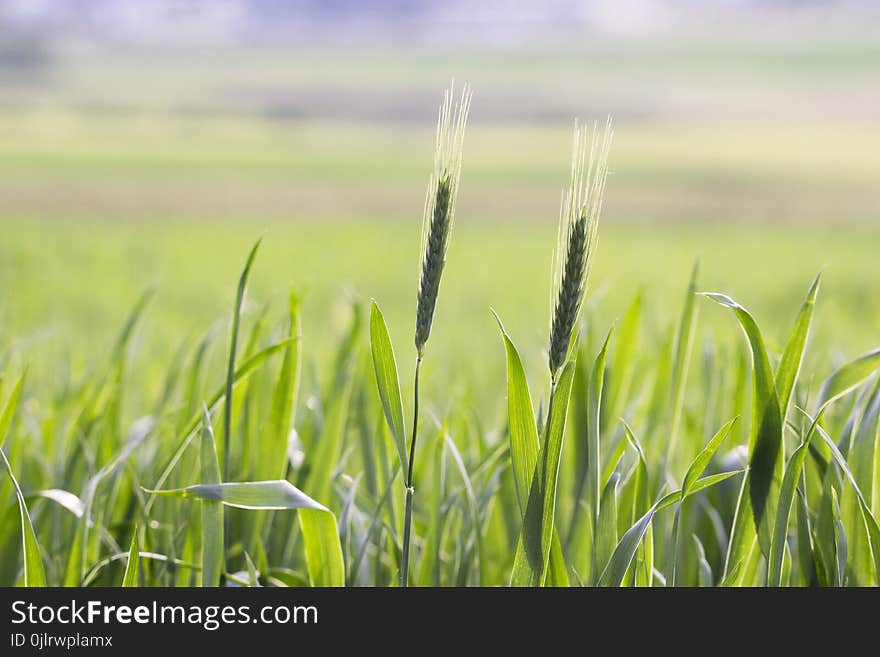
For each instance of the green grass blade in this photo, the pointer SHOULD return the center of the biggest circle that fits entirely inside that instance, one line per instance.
(623, 359)
(705, 577)
(591, 480)
(699, 485)
(623, 554)
(698, 465)
(272, 462)
(696, 468)
(253, 495)
(320, 533)
(840, 545)
(766, 451)
(848, 377)
(521, 427)
(34, 575)
(606, 529)
(681, 360)
(252, 572)
(644, 573)
(594, 413)
(230, 365)
(626, 548)
(792, 357)
(387, 381)
(323, 547)
(213, 561)
(786, 497)
(130, 578)
(9, 408)
(533, 548)
(524, 447)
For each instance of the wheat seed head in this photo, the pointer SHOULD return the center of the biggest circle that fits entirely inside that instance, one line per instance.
(439, 214)
(577, 235)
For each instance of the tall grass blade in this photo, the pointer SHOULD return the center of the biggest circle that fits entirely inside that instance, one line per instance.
(533, 550)
(230, 366)
(272, 464)
(681, 361)
(524, 448)
(766, 452)
(786, 497)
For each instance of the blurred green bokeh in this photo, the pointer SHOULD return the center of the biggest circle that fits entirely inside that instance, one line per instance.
(159, 169)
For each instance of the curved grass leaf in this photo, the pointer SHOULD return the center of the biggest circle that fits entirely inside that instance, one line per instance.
(96, 569)
(387, 381)
(320, 533)
(699, 485)
(34, 575)
(63, 498)
(626, 548)
(251, 495)
(848, 377)
(323, 548)
(766, 453)
(702, 459)
(533, 549)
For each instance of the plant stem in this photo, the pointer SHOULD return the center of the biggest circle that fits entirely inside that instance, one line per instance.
(407, 517)
(676, 529)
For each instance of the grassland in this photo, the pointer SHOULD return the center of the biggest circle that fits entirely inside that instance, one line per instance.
(101, 200)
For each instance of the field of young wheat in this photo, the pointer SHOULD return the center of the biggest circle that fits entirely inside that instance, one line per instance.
(458, 443)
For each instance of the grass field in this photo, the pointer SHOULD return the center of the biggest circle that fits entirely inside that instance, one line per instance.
(100, 203)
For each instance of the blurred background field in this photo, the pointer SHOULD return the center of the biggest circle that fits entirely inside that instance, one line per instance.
(149, 144)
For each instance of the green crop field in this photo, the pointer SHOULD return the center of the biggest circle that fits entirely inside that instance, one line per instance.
(124, 233)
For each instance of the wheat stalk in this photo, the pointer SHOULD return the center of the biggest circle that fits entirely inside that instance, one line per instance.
(577, 235)
(439, 216)
(439, 213)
